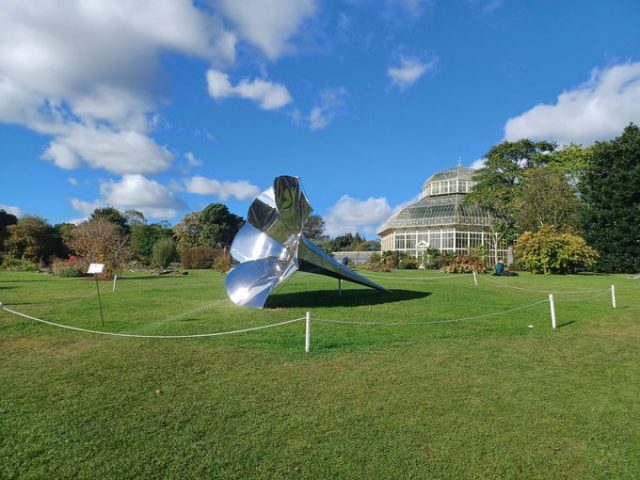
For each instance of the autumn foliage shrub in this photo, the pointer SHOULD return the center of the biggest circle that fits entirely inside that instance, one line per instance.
(71, 267)
(222, 263)
(465, 264)
(200, 257)
(547, 252)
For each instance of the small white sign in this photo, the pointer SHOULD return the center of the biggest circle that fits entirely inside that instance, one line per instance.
(95, 268)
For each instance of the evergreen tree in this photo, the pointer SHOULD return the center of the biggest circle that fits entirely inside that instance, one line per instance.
(611, 191)
(219, 226)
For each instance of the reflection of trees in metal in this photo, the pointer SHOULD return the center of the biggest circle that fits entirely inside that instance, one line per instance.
(271, 246)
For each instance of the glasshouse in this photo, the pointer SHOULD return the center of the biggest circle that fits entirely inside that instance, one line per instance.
(441, 220)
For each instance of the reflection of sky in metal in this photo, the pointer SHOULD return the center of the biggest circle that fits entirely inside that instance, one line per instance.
(271, 247)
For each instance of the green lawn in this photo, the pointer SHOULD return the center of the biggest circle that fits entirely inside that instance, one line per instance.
(397, 397)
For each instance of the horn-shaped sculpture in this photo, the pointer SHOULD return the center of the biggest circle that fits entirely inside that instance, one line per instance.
(271, 247)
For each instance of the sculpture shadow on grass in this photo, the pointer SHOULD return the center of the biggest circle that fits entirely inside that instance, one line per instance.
(349, 298)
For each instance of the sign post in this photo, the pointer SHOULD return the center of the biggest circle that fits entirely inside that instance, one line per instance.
(97, 268)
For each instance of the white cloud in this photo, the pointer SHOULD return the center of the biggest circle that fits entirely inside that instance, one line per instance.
(134, 192)
(596, 110)
(192, 160)
(269, 25)
(478, 164)
(116, 151)
(12, 210)
(75, 67)
(331, 103)
(352, 215)
(268, 95)
(241, 190)
(408, 70)
(73, 181)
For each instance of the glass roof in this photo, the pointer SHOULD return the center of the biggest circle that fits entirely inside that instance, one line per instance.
(459, 173)
(440, 210)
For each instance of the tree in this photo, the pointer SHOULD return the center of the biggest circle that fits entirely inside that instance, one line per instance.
(143, 237)
(188, 233)
(164, 252)
(314, 228)
(546, 199)
(102, 241)
(219, 226)
(134, 217)
(112, 215)
(500, 181)
(6, 219)
(571, 161)
(611, 191)
(34, 239)
(347, 242)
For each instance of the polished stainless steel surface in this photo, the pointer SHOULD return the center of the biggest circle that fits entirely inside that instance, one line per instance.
(271, 246)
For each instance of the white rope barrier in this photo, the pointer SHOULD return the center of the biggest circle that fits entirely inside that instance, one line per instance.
(133, 335)
(454, 320)
(544, 291)
(584, 299)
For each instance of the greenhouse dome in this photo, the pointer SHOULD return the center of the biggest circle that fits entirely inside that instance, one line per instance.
(441, 219)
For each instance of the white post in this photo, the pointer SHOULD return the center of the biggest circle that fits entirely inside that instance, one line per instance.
(475, 279)
(613, 296)
(307, 336)
(115, 279)
(553, 311)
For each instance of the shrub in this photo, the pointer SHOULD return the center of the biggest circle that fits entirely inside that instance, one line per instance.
(547, 252)
(377, 264)
(222, 263)
(200, 257)
(14, 264)
(465, 264)
(429, 258)
(408, 263)
(163, 252)
(72, 267)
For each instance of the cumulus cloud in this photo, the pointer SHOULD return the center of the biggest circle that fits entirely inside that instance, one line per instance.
(116, 151)
(12, 210)
(192, 160)
(478, 164)
(596, 110)
(134, 192)
(92, 67)
(268, 95)
(241, 190)
(352, 215)
(408, 70)
(268, 25)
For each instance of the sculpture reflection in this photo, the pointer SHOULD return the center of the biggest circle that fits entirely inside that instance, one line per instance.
(271, 247)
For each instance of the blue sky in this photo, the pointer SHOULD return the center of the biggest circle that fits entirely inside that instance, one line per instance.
(167, 106)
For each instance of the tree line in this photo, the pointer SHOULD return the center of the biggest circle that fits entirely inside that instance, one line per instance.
(116, 239)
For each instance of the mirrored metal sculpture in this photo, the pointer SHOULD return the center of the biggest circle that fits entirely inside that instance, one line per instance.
(271, 247)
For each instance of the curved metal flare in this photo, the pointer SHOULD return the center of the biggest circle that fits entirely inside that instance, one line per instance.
(271, 246)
